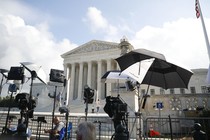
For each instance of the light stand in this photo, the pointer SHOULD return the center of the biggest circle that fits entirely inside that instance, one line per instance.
(139, 114)
(88, 97)
(2, 71)
(13, 89)
(65, 110)
(34, 75)
(139, 111)
(30, 109)
(54, 100)
(39, 120)
(56, 76)
(99, 130)
(15, 73)
(86, 110)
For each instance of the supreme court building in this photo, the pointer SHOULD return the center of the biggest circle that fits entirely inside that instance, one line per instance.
(86, 64)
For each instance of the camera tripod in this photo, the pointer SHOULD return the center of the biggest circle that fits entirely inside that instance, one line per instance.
(39, 120)
(117, 109)
(12, 89)
(121, 129)
(99, 127)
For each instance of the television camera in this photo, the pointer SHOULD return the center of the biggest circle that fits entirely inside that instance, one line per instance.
(88, 98)
(88, 94)
(24, 102)
(117, 110)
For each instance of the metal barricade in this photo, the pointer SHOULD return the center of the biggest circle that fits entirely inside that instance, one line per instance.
(173, 128)
(104, 124)
(163, 128)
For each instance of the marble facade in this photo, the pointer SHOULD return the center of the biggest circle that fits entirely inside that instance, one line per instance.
(86, 65)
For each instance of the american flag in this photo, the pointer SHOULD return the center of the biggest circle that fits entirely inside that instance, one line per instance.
(197, 9)
(58, 100)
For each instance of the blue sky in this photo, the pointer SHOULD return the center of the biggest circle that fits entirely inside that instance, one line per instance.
(68, 18)
(40, 31)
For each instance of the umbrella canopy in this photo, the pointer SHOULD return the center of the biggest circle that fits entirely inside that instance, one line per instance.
(38, 69)
(138, 70)
(115, 76)
(167, 75)
(161, 73)
(4, 72)
(137, 55)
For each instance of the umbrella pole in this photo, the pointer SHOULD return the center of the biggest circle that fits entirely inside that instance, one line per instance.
(139, 109)
(139, 104)
(118, 87)
(139, 112)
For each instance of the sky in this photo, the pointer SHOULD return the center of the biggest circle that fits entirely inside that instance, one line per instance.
(40, 31)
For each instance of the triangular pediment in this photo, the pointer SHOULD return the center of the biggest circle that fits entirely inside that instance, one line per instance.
(92, 46)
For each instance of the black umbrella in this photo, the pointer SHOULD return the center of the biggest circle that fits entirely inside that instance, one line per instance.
(137, 55)
(167, 75)
(161, 73)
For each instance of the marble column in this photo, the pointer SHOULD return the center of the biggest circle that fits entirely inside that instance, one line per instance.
(80, 85)
(89, 73)
(72, 78)
(108, 85)
(99, 79)
(66, 73)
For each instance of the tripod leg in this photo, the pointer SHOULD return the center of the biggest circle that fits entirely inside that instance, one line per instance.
(37, 130)
(4, 130)
(54, 100)
(40, 129)
(99, 130)
(133, 126)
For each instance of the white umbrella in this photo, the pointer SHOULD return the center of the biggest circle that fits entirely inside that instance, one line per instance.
(38, 69)
(138, 70)
(115, 76)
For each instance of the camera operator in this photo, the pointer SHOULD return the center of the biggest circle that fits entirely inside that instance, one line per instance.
(54, 133)
(22, 132)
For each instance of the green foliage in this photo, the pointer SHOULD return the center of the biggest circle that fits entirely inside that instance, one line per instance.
(7, 102)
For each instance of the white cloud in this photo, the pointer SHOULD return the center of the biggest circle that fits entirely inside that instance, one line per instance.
(96, 19)
(98, 23)
(20, 42)
(25, 37)
(181, 40)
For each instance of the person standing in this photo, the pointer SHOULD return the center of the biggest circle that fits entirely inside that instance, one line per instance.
(54, 133)
(198, 134)
(86, 131)
(93, 108)
(98, 105)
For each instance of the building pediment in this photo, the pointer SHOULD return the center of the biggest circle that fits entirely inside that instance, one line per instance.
(92, 46)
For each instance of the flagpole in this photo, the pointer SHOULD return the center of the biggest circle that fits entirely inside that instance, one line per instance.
(204, 27)
(199, 14)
